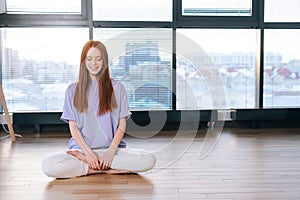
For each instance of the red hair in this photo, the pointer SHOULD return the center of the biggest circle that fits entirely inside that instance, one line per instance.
(106, 96)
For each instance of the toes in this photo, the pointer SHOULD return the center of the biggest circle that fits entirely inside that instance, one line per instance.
(74, 153)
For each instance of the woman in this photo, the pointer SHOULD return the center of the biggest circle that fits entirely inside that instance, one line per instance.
(96, 108)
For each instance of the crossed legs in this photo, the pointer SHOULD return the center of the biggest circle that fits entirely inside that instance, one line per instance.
(81, 156)
(72, 163)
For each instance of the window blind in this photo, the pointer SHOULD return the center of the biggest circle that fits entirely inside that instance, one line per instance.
(217, 7)
(38, 65)
(141, 60)
(44, 7)
(132, 10)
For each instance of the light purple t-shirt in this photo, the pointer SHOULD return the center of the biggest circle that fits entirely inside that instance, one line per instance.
(98, 131)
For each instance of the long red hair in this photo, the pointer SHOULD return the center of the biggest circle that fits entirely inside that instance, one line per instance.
(106, 97)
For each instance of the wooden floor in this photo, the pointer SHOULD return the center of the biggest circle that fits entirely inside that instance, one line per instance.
(241, 164)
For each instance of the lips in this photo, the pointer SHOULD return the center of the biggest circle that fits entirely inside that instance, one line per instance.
(94, 68)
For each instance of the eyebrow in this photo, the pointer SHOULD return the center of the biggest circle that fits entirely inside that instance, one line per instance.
(93, 56)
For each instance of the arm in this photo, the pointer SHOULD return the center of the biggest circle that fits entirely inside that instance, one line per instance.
(91, 156)
(119, 133)
(108, 156)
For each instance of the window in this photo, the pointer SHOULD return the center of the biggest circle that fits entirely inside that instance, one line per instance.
(282, 68)
(216, 49)
(43, 7)
(222, 74)
(38, 64)
(132, 10)
(217, 8)
(282, 11)
(141, 60)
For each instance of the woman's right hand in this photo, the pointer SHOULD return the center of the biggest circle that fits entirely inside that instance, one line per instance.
(93, 160)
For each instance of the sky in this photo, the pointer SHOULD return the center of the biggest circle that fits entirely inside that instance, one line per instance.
(41, 44)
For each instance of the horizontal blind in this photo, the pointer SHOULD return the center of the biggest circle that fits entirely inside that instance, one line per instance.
(217, 7)
(44, 7)
(38, 65)
(141, 60)
(132, 10)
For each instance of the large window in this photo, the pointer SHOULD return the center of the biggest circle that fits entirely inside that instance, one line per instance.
(141, 60)
(282, 68)
(170, 55)
(38, 65)
(223, 75)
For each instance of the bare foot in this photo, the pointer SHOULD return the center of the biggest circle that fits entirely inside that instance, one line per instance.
(77, 154)
(116, 171)
(108, 171)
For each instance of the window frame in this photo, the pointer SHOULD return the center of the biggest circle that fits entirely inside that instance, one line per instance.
(219, 21)
(37, 20)
(265, 26)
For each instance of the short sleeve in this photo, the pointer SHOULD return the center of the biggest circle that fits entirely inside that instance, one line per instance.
(124, 106)
(68, 109)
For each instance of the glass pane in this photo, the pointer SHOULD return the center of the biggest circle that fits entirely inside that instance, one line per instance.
(217, 7)
(44, 7)
(141, 60)
(282, 11)
(38, 64)
(282, 68)
(132, 10)
(215, 68)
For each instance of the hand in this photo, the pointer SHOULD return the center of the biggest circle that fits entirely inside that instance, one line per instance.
(93, 160)
(106, 159)
(81, 156)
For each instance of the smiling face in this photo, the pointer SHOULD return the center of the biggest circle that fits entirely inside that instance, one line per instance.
(94, 62)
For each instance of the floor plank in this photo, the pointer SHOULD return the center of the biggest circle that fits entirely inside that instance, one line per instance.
(241, 164)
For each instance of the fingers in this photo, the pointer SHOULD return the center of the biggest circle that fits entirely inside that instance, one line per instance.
(100, 165)
(95, 165)
(104, 164)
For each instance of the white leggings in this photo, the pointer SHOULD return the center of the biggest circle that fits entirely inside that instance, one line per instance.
(63, 165)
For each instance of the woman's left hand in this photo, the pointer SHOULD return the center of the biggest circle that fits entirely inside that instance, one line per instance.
(106, 159)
